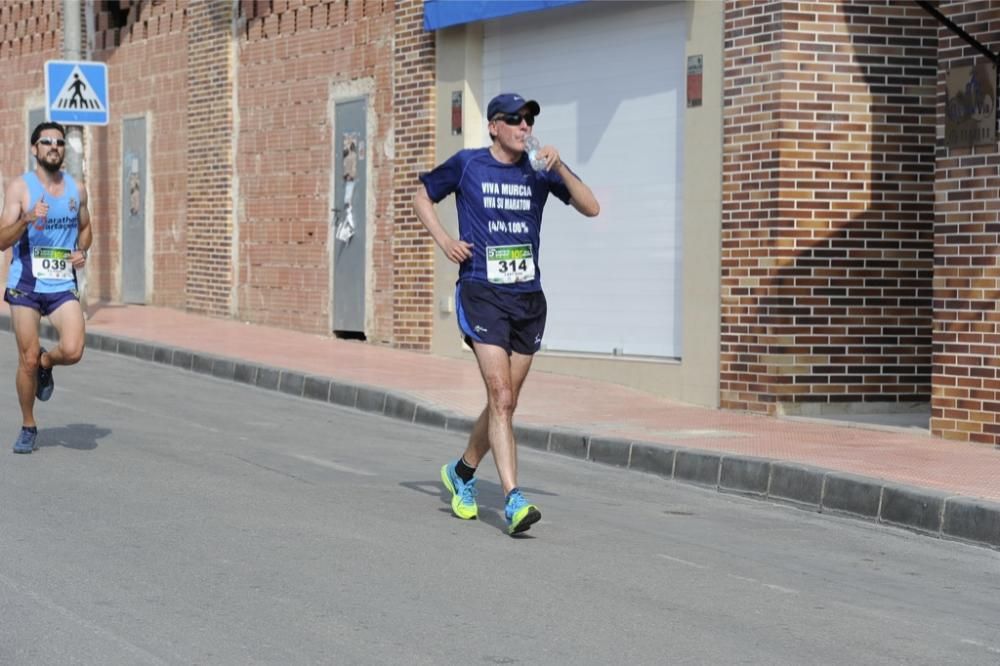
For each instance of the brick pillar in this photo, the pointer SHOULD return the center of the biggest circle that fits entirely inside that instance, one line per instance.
(828, 199)
(414, 112)
(210, 261)
(966, 382)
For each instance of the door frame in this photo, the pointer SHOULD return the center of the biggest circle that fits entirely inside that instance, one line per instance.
(342, 92)
(147, 205)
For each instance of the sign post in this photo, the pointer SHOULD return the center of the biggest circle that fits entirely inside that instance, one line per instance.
(76, 93)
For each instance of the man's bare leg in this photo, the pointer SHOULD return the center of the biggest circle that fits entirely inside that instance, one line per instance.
(25, 323)
(69, 323)
(479, 441)
(494, 431)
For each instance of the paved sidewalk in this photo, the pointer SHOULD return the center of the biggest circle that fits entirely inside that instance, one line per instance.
(894, 475)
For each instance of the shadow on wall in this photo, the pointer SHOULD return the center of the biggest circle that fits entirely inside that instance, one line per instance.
(594, 118)
(607, 126)
(853, 287)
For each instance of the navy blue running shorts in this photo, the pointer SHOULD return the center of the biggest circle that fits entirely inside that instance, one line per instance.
(514, 320)
(45, 304)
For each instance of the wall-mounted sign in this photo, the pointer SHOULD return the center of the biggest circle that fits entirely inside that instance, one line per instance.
(970, 114)
(456, 112)
(694, 80)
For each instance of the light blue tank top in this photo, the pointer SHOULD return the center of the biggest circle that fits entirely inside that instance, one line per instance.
(45, 245)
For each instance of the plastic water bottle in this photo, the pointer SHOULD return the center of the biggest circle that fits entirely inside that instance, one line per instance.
(532, 146)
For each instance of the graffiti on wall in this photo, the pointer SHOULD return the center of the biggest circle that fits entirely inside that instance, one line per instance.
(349, 172)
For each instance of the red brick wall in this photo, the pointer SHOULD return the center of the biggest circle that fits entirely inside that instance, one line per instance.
(147, 76)
(829, 133)
(143, 77)
(413, 248)
(30, 34)
(290, 55)
(966, 397)
(241, 148)
(30, 27)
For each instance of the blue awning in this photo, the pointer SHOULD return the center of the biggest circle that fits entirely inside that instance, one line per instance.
(443, 13)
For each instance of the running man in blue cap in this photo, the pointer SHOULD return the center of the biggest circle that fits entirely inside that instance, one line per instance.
(500, 305)
(46, 221)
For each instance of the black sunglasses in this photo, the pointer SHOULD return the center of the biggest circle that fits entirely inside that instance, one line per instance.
(514, 119)
(48, 141)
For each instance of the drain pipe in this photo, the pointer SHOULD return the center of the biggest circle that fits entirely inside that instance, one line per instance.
(72, 40)
(72, 51)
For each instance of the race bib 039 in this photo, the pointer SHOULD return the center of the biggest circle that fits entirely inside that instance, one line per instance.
(51, 263)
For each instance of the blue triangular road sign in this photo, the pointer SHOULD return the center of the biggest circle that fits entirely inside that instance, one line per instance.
(76, 92)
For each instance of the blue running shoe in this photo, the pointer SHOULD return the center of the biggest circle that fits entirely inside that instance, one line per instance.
(520, 514)
(26, 441)
(463, 495)
(45, 382)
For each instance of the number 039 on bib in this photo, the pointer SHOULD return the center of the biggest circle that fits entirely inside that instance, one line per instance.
(51, 263)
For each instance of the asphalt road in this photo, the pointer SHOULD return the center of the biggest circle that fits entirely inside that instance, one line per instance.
(172, 518)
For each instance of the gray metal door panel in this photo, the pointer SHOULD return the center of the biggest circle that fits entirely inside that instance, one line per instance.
(134, 210)
(348, 237)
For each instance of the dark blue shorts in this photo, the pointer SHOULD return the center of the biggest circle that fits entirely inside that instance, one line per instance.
(514, 320)
(45, 304)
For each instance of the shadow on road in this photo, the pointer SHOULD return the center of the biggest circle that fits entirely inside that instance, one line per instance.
(490, 500)
(79, 436)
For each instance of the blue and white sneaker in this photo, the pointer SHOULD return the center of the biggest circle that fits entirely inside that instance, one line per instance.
(26, 440)
(45, 382)
(463, 495)
(520, 514)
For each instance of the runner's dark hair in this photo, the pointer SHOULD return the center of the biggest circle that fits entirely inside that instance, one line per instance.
(47, 125)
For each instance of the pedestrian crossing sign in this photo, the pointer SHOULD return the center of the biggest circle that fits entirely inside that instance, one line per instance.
(76, 92)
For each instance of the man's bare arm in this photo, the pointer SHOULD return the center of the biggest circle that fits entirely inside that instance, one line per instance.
(13, 220)
(85, 235)
(582, 199)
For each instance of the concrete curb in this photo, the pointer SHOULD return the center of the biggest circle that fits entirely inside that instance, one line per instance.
(930, 512)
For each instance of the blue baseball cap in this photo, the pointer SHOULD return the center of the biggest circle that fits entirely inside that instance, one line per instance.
(511, 103)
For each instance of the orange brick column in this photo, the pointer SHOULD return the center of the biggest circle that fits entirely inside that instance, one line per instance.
(210, 278)
(966, 382)
(413, 249)
(30, 34)
(828, 167)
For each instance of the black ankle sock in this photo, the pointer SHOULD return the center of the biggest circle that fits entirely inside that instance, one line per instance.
(463, 471)
(30, 428)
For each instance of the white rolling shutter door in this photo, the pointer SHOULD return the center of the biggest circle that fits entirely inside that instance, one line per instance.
(610, 80)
